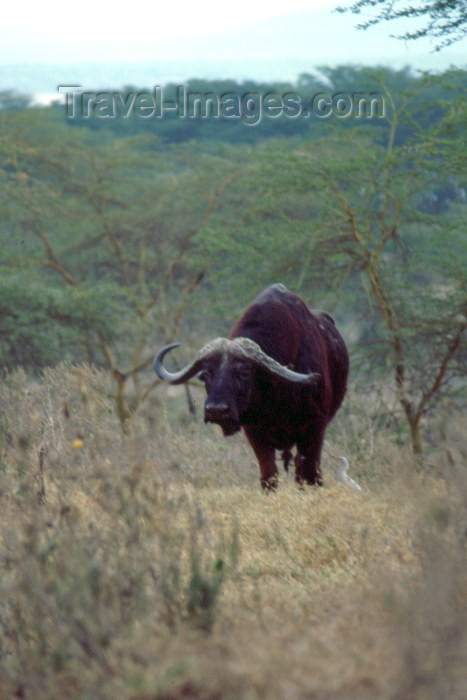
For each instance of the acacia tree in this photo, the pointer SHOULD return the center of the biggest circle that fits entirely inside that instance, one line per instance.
(390, 216)
(446, 20)
(112, 222)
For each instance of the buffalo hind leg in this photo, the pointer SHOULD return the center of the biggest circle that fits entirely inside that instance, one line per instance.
(266, 458)
(287, 457)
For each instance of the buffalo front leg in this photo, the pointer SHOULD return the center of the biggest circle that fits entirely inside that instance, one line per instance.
(308, 461)
(266, 458)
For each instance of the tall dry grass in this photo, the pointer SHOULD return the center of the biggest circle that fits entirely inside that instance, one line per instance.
(152, 566)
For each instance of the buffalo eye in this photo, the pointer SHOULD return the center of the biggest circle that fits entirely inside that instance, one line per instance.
(205, 374)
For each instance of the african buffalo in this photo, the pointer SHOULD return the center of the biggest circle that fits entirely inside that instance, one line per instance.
(281, 376)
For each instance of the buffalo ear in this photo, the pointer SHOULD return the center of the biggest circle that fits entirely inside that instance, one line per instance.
(314, 380)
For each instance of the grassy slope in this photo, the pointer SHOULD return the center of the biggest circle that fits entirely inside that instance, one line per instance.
(122, 575)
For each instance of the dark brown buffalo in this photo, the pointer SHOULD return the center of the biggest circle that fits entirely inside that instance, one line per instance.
(281, 376)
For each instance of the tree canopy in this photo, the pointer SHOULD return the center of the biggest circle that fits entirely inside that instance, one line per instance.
(116, 242)
(444, 20)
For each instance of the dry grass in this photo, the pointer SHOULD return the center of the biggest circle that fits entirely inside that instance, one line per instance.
(154, 567)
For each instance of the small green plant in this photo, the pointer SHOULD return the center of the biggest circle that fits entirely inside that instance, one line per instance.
(192, 572)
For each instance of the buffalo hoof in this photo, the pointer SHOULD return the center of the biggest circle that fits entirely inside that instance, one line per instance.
(270, 484)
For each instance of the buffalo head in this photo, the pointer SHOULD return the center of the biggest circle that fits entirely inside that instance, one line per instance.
(230, 370)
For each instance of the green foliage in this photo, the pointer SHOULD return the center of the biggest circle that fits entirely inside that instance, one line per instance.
(41, 326)
(445, 20)
(88, 214)
(12, 100)
(191, 588)
(174, 129)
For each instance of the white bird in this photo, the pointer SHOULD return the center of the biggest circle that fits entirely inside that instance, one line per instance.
(342, 476)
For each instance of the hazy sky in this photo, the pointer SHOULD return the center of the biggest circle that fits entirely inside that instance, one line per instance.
(303, 32)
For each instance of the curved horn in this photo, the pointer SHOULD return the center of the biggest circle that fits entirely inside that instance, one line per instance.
(244, 347)
(241, 347)
(183, 375)
(159, 368)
